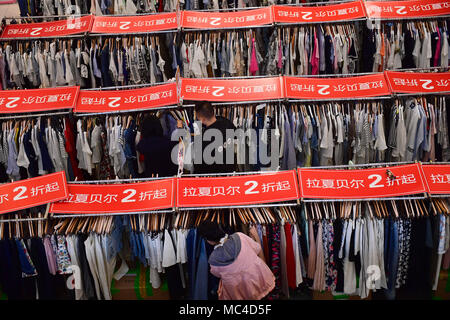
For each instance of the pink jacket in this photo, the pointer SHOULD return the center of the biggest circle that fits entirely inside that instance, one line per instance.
(248, 277)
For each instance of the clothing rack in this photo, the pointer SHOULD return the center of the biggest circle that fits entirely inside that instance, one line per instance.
(381, 164)
(443, 17)
(47, 114)
(120, 180)
(22, 220)
(341, 99)
(226, 28)
(71, 36)
(82, 215)
(227, 174)
(362, 200)
(130, 86)
(431, 69)
(227, 9)
(442, 93)
(124, 111)
(244, 102)
(46, 17)
(269, 205)
(393, 96)
(341, 75)
(130, 34)
(315, 3)
(290, 24)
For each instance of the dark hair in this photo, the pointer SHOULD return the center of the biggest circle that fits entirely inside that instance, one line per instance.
(205, 109)
(210, 231)
(151, 126)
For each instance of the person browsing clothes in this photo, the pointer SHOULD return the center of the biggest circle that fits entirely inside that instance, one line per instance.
(243, 274)
(205, 114)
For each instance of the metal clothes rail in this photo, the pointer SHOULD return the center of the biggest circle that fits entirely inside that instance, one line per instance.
(268, 205)
(364, 165)
(88, 215)
(125, 111)
(31, 115)
(116, 181)
(22, 220)
(362, 200)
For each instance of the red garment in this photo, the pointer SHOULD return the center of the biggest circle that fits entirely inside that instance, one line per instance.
(71, 150)
(290, 257)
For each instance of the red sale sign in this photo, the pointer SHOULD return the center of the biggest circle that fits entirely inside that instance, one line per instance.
(135, 24)
(307, 14)
(437, 178)
(237, 190)
(406, 9)
(49, 29)
(17, 101)
(360, 184)
(116, 198)
(32, 192)
(223, 20)
(254, 89)
(125, 100)
(408, 82)
(336, 88)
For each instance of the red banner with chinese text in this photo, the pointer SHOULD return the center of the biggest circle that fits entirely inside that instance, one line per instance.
(418, 82)
(17, 101)
(122, 100)
(32, 192)
(336, 88)
(360, 183)
(48, 29)
(254, 89)
(223, 20)
(406, 9)
(307, 14)
(135, 24)
(115, 198)
(437, 178)
(237, 190)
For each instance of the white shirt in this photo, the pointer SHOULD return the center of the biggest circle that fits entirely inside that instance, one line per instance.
(169, 255)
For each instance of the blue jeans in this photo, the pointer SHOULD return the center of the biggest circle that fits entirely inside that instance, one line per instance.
(391, 256)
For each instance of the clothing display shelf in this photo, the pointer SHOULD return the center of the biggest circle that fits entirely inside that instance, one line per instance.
(183, 104)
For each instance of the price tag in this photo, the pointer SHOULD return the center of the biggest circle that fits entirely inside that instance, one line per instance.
(32, 192)
(48, 29)
(336, 88)
(135, 24)
(238, 190)
(232, 90)
(361, 183)
(307, 14)
(221, 20)
(122, 100)
(409, 82)
(116, 198)
(18, 101)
